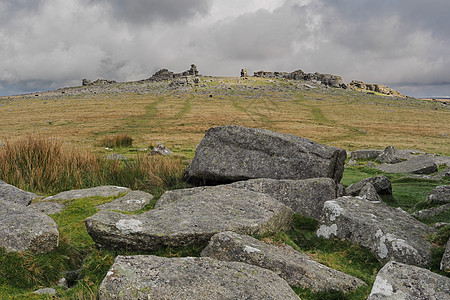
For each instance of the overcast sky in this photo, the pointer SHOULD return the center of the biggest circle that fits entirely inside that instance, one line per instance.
(48, 44)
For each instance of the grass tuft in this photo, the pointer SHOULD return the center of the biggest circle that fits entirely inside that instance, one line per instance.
(117, 141)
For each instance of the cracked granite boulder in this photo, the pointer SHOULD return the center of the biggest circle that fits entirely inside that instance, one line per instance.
(297, 268)
(191, 220)
(24, 229)
(13, 194)
(390, 233)
(233, 153)
(400, 281)
(154, 277)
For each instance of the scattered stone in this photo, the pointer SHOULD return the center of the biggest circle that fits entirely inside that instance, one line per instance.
(352, 162)
(233, 153)
(100, 191)
(45, 291)
(191, 220)
(297, 268)
(86, 82)
(47, 207)
(381, 183)
(134, 200)
(431, 212)
(161, 150)
(440, 225)
(12, 194)
(389, 155)
(24, 229)
(154, 277)
(116, 156)
(365, 154)
(2, 144)
(421, 164)
(399, 281)
(72, 277)
(369, 193)
(440, 194)
(63, 283)
(370, 164)
(391, 234)
(445, 262)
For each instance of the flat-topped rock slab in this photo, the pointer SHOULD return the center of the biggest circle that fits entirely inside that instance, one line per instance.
(101, 191)
(233, 153)
(297, 268)
(24, 229)
(417, 165)
(47, 207)
(13, 194)
(191, 220)
(400, 281)
(390, 233)
(134, 200)
(153, 277)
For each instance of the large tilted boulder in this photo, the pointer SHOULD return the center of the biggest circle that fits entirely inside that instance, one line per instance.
(297, 268)
(154, 277)
(191, 220)
(233, 153)
(445, 262)
(381, 183)
(421, 164)
(101, 191)
(24, 229)
(390, 233)
(13, 194)
(400, 281)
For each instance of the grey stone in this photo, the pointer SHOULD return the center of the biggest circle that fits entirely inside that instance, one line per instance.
(390, 233)
(440, 194)
(45, 291)
(160, 149)
(440, 225)
(400, 281)
(297, 268)
(368, 192)
(47, 207)
(233, 153)
(134, 200)
(13, 194)
(431, 212)
(154, 277)
(389, 155)
(418, 165)
(116, 156)
(381, 183)
(445, 262)
(101, 191)
(365, 154)
(63, 283)
(22, 228)
(191, 220)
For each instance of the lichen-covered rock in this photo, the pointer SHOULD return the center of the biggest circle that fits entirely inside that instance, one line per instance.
(134, 200)
(47, 207)
(445, 262)
(191, 220)
(369, 192)
(297, 268)
(389, 155)
(390, 233)
(101, 191)
(417, 165)
(365, 154)
(400, 281)
(24, 229)
(153, 277)
(233, 153)
(160, 149)
(440, 194)
(381, 183)
(13, 194)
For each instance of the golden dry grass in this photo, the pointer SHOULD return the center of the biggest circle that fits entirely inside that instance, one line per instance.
(179, 119)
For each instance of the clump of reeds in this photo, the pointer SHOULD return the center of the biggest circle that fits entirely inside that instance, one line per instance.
(117, 141)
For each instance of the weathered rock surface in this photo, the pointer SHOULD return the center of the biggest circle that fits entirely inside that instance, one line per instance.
(191, 220)
(161, 149)
(22, 228)
(391, 234)
(365, 154)
(47, 207)
(297, 268)
(13, 194)
(101, 191)
(116, 156)
(440, 194)
(368, 192)
(153, 277)
(445, 262)
(45, 291)
(399, 281)
(431, 212)
(417, 165)
(134, 200)
(233, 153)
(389, 155)
(381, 183)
